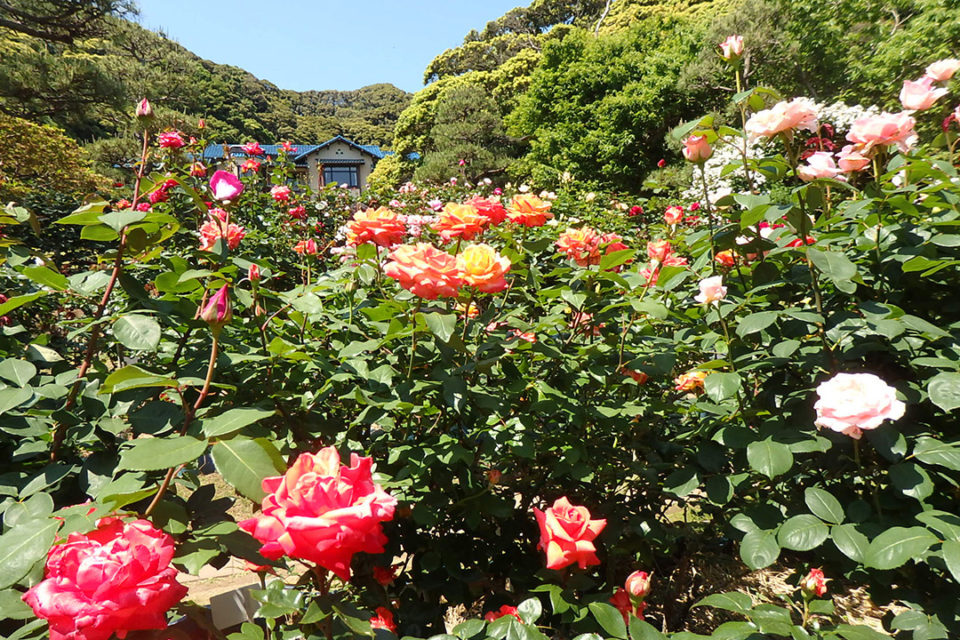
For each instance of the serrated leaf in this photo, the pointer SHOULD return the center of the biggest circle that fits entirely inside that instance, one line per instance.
(759, 549)
(756, 322)
(47, 277)
(769, 458)
(442, 325)
(132, 377)
(245, 462)
(233, 420)
(823, 505)
(117, 220)
(609, 618)
(850, 542)
(722, 385)
(933, 451)
(138, 332)
(944, 390)
(641, 630)
(950, 550)
(897, 546)
(24, 546)
(731, 601)
(802, 533)
(153, 454)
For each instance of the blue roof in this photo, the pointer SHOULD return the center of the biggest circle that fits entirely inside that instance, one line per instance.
(215, 151)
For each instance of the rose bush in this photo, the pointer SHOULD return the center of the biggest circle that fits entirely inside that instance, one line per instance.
(587, 373)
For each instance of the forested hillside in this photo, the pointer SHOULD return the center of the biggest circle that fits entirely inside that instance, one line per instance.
(590, 88)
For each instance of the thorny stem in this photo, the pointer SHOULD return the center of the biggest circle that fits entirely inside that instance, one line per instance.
(706, 205)
(60, 431)
(191, 411)
(413, 346)
(743, 120)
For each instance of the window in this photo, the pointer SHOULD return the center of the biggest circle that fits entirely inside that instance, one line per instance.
(341, 175)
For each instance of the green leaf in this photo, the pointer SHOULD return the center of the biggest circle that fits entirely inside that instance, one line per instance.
(47, 277)
(860, 632)
(132, 377)
(640, 630)
(615, 259)
(530, 610)
(944, 390)
(18, 301)
(441, 325)
(731, 601)
(897, 546)
(756, 322)
(951, 556)
(138, 332)
(609, 618)
(850, 542)
(245, 462)
(117, 220)
(24, 546)
(19, 372)
(11, 398)
(802, 533)
(12, 606)
(823, 505)
(932, 451)
(769, 458)
(233, 420)
(911, 480)
(469, 628)
(948, 524)
(759, 549)
(37, 507)
(720, 386)
(153, 454)
(835, 265)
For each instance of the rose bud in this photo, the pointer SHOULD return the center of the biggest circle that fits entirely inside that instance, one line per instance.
(638, 584)
(814, 584)
(144, 111)
(218, 311)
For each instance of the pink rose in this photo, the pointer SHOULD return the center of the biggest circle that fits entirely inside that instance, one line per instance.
(673, 215)
(170, 140)
(920, 95)
(322, 511)
(567, 534)
(252, 149)
(851, 159)
(883, 130)
(819, 165)
(638, 584)
(281, 193)
(115, 579)
(711, 290)
(943, 70)
(851, 402)
(799, 113)
(225, 185)
(218, 310)
(732, 48)
(696, 149)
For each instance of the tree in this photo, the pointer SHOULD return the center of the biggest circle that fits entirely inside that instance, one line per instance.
(468, 137)
(62, 21)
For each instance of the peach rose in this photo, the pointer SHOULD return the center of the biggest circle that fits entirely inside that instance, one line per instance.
(425, 271)
(712, 290)
(381, 226)
(216, 227)
(819, 165)
(799, 113)
(850, 403)
(943, 70)
(919, 95)
(883, 130)
(690, 381)
(725, 258)
(482, 267)
(851, 159)
(580, 245)
(567, 534)
(673, 215)
(528, 210)
(459, 221)
(696, 149)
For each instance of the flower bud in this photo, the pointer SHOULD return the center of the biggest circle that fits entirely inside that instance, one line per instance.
(731, 49)
(218, 311)
(253, 273)
(638, 584)
(494, 476)
(201, 124)
(144, 110)
(696, 149)
(814, 584)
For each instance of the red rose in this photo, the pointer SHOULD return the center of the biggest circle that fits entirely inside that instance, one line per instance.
(567, 534)
(115, 579)
(383, 620)
(505, 610)
(323, 512)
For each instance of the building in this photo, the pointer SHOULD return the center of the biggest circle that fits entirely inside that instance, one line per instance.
(337, 160)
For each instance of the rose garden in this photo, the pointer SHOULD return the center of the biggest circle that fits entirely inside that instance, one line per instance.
(475, 409)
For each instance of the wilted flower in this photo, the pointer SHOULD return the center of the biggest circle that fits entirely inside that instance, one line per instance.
(690, 381)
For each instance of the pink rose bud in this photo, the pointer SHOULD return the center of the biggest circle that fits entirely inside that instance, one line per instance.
(462, 162)
(218, 311)
(943, 70)
(732, 48)
(225, 185)
(696, 149)
(638, 584)
(661, 163)
(170, 140)
(144, 110)
(814, 584)
(201, 124)
(253, 273)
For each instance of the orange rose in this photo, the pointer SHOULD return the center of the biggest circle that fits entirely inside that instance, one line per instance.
(567, 534)
(529, 210)
(459, 221)
(425, 271)
(639, 376)
(380, 226)
(581, 245)
(482, 267)
(690, 381)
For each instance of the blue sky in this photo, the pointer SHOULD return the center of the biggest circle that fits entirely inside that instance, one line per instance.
(323, 44)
